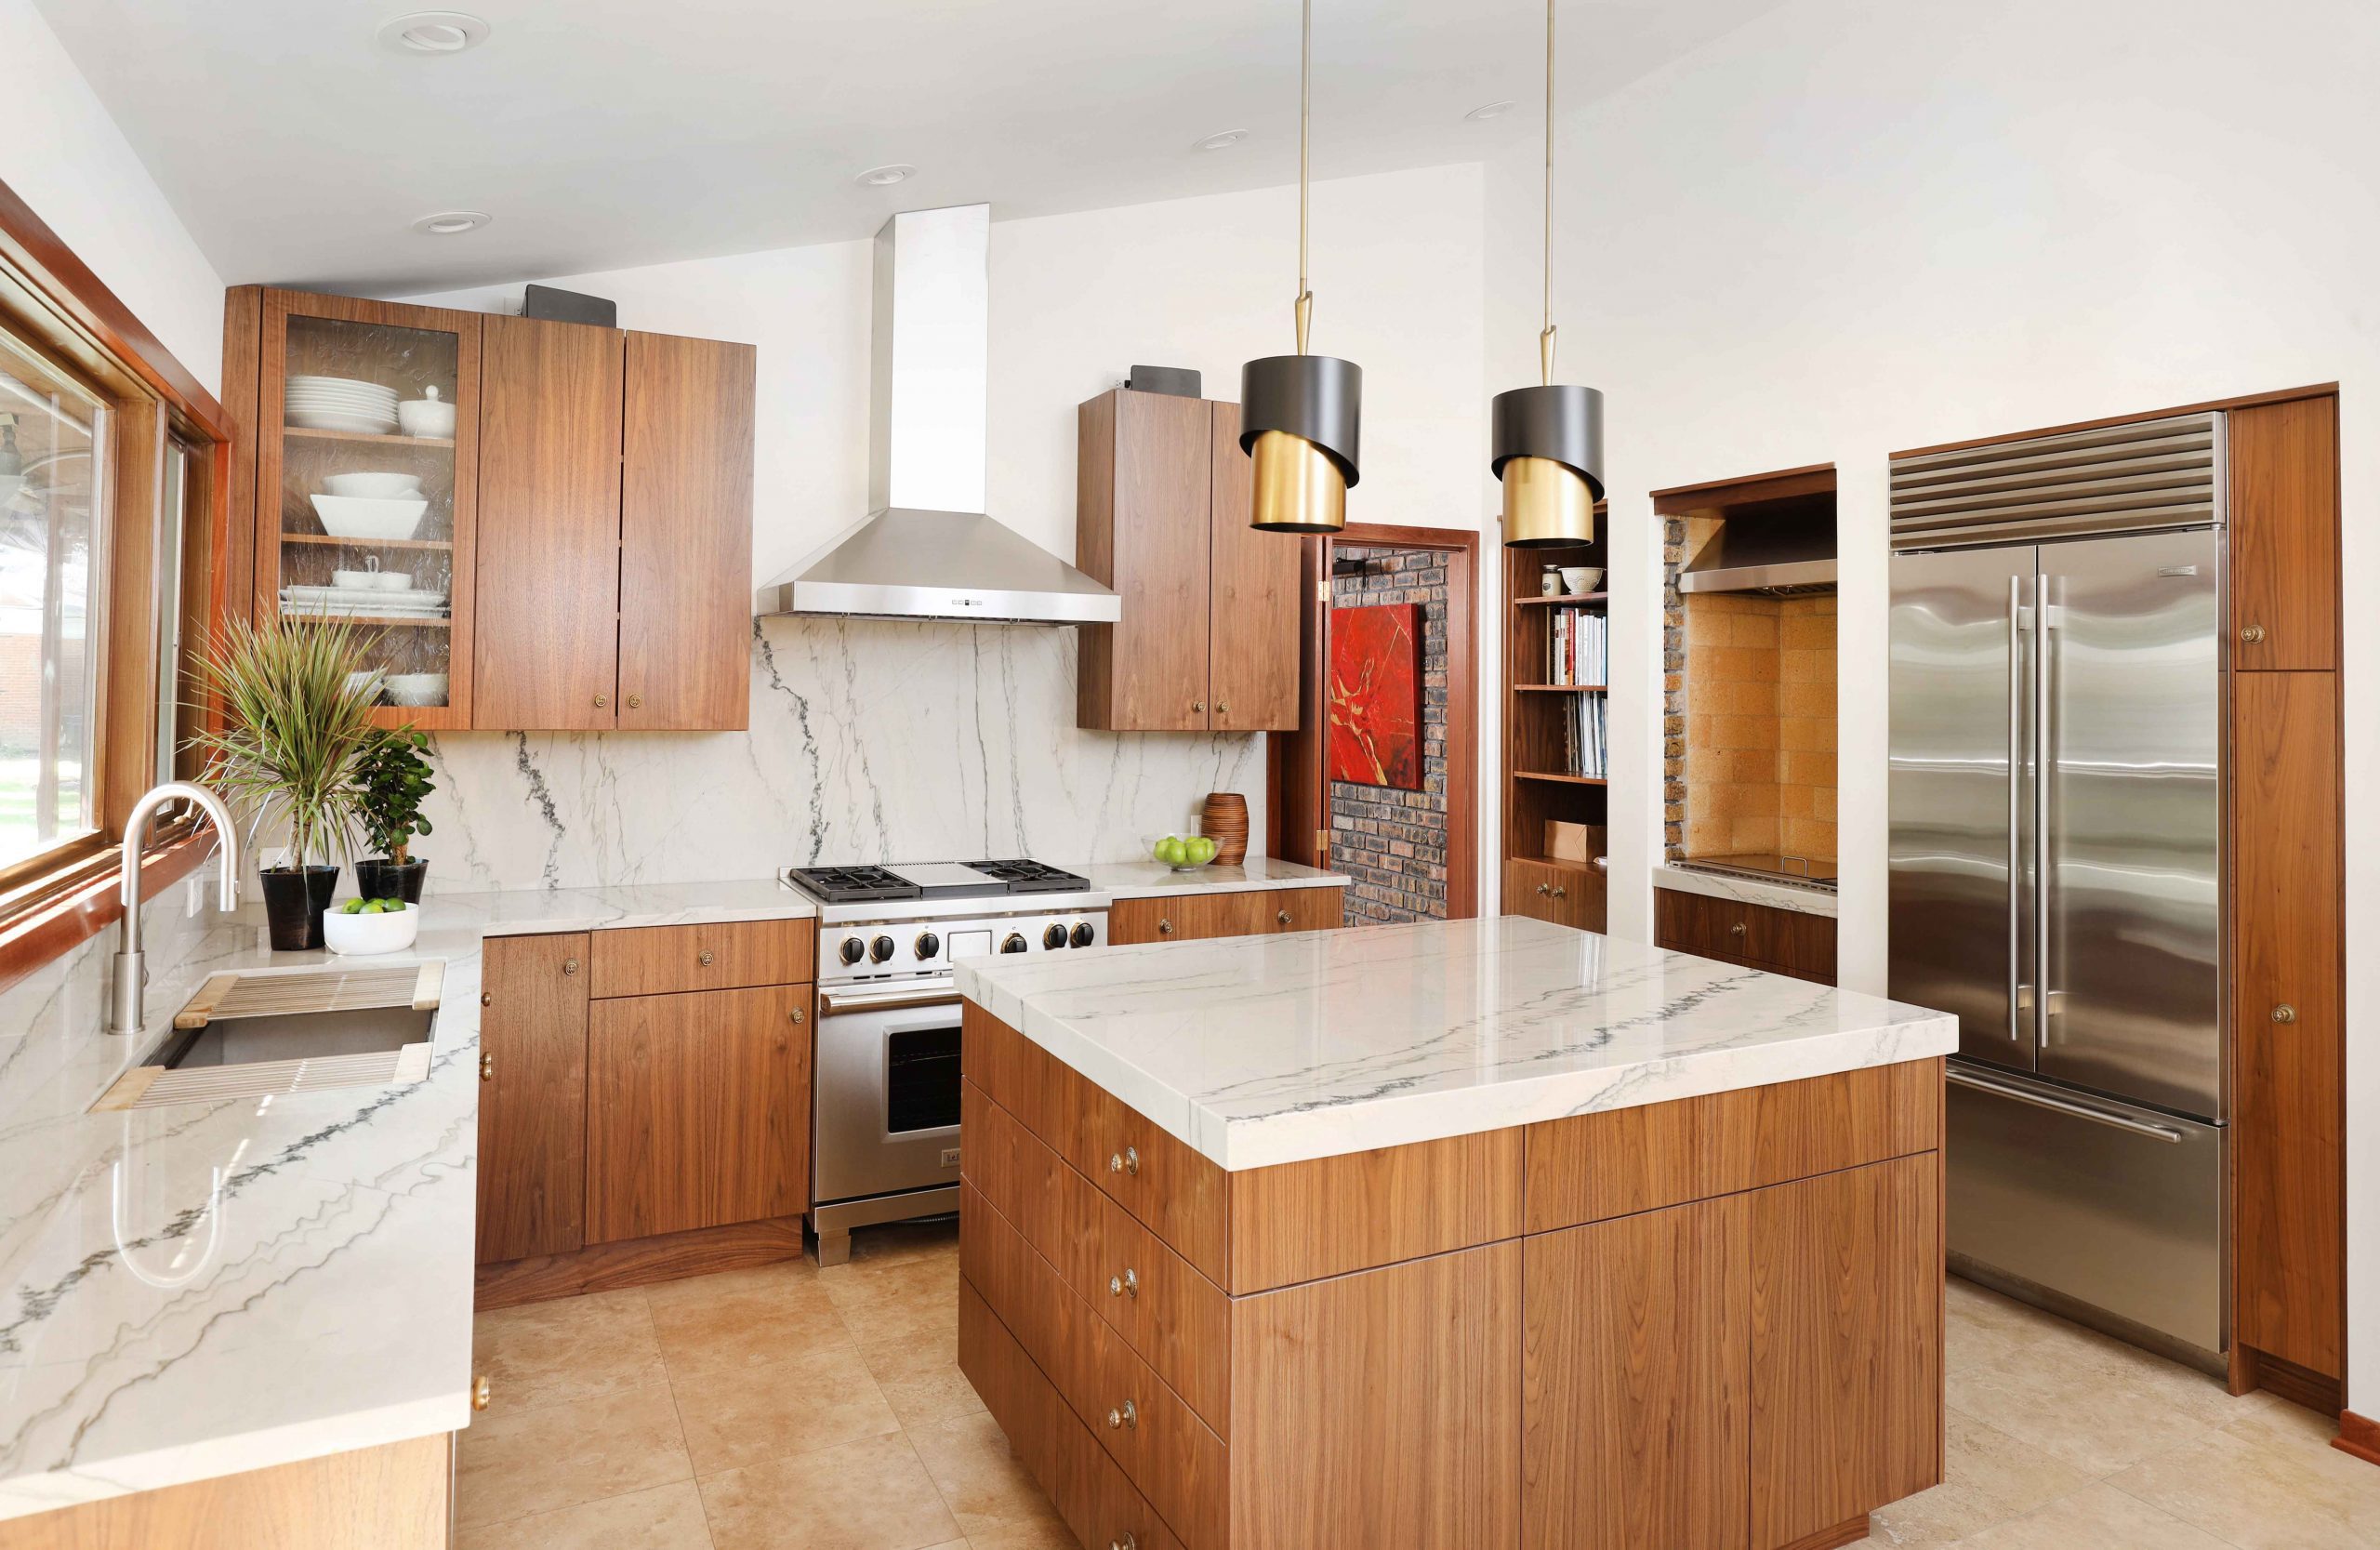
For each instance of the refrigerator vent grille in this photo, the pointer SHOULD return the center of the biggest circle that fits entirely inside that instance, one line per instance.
(2119, 478)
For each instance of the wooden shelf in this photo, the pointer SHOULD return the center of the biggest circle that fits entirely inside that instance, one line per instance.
(1562, 688)
(1560, 779)
(300, 433)
(1557, 601)
(328, 541)
(1585, 869)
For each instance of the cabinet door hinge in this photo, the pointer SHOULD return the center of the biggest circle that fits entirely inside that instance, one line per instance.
(1321, 845)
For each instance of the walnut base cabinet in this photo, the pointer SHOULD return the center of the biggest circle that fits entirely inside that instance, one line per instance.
(1208, 639)
(1710, 1324)
(645, 1104)
(1756, 935)
(1253, 912)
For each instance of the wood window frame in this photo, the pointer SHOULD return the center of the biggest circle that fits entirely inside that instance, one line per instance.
(50, 298)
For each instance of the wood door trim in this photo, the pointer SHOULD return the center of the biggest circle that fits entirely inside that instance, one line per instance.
(1810, 479)
(2246, 400)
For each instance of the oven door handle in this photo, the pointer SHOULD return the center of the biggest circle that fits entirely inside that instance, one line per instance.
(924, 992)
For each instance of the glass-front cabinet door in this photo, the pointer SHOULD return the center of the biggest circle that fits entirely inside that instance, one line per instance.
(368, 423)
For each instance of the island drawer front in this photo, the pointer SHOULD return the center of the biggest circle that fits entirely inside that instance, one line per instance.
(1177, 1320)
(1592, 1167)
(730, 955)
(1302, 1220)
(1167, 1452)
(1093, 1495)
(1177, 1194)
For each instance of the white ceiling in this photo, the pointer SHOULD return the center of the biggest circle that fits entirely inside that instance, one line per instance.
(607, 133)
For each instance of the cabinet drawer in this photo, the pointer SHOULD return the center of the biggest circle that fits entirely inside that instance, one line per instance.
(732, 955)
(1724, 929)
(1171, 1456)
(1174, 1191)
(1287, 909)
(1177, 1319)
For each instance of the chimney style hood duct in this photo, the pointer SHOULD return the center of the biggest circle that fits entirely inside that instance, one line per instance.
(926, 550)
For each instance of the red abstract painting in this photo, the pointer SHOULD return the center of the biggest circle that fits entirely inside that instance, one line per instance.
(1376, 695)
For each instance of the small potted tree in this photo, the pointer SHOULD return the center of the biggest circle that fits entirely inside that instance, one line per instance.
(391, 781)
(297, 707)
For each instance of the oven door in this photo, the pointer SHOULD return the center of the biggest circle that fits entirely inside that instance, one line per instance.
(886, 1109)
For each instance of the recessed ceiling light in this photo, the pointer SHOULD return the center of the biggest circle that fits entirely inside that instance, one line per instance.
(433, 33)
(886, 176)
(1216, 142)
(1488, 110)
(450, 223)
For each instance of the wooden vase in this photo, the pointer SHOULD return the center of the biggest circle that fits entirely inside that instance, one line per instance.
(1224, 819)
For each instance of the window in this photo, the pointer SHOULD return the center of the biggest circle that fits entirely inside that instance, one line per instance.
(53, 573)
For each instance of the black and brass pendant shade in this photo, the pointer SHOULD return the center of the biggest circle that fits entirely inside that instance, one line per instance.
(1546, 443)
(1301, 416)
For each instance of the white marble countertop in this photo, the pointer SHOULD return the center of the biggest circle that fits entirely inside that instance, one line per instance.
(1266, 1049)
(1801, 900)
(210, 1288)
(1148, 880)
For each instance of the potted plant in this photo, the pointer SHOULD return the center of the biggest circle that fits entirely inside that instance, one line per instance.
(297, 711)
(391, 781)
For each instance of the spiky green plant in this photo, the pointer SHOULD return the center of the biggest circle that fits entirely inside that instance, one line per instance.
(299, 725)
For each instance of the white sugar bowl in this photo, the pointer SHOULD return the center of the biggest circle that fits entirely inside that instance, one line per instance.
(427, 416)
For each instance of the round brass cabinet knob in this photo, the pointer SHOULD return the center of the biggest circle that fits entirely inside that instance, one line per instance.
(1560, 891)
(1222, 709)
(1165, 928)
(1132, 1161)
(1198, 707)
(1125, 1285)
(703, 958)
(2285, 1012)
(1126, 1542)
(1545, 888)
(1736, 929)
(1123, 1415)
(603, 700)
(488, 1067)
(479, 1392)
(570, 965)
(2253, 633)
(799, 1015)
(1281, 917)
(636, 702)
(487, 998)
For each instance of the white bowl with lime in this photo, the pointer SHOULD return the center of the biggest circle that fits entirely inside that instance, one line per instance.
(361, 927)
(1185, 855)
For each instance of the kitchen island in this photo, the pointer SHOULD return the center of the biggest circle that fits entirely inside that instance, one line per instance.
(1478, 1233)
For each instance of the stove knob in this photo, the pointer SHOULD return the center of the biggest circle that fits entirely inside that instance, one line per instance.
(1083, 934)
(928, 944)
(1054, 937)
(853, 948)
(1015, 942)
(880, 949)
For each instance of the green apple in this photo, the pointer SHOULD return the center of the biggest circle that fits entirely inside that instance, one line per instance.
(1202, 849)
(392, 906)
(1171, 851)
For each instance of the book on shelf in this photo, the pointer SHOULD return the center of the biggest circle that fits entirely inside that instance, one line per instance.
(1585, 740)
(1579, 649)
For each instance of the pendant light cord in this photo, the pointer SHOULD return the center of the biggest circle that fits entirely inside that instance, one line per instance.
(1305, 120)
(1545, 336)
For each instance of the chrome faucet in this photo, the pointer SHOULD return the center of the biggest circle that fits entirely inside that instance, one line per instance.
(131, 976)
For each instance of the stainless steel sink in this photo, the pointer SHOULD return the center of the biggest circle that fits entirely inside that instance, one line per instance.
(295, 1036)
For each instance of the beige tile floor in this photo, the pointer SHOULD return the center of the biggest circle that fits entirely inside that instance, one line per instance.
(791, 1408)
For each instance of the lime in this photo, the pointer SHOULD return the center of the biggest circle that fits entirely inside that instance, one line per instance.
(352, 906)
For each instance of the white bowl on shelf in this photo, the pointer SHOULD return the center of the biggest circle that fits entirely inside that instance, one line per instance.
(358, 936)
(355, 582)
(1579, 580)
(417, 689)
(362, 517)
(429, 415)
(373, 486)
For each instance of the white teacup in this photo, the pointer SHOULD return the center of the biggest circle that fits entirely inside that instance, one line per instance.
(358, 581)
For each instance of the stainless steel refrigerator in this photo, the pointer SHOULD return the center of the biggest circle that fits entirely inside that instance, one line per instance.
(2056, 860)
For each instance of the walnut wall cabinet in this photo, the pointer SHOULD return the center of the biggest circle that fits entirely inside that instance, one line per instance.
(644, 1110)
(596, 485)
(1209, 639)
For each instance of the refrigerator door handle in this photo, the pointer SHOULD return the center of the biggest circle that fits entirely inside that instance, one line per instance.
(2017, 992)
(2166, 1133)
(2044, 760)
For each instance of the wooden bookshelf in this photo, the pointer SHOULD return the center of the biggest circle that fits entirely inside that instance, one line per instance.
(1536, 788)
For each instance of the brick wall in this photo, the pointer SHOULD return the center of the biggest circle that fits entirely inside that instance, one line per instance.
(1392, 843)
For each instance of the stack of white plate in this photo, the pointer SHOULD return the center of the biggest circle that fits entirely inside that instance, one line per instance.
(345, 602)
(339, 404)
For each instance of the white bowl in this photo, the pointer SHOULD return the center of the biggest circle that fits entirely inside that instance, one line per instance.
(1579, 580)
(355, 582)
(373, 486)
(357, 517)
(369, 677)
(393, 581)
(417, 689)
(426, 416)
(360, 935)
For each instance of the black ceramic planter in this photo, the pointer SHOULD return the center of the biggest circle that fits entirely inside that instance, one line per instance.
(386, 880)
(293, 903)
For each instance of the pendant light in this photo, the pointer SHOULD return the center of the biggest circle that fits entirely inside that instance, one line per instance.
(1300, 414)
(1546, 442)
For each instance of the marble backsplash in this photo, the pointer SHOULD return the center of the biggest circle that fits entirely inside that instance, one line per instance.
(870, 740)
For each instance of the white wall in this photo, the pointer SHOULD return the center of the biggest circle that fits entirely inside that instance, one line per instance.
(64, 156)
(1077, 300)
(1852, 227)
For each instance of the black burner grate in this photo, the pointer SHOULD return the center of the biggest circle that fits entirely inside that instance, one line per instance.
(854, 884)
(1033, 877)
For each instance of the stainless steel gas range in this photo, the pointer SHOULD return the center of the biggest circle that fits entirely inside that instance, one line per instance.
(884, 1116)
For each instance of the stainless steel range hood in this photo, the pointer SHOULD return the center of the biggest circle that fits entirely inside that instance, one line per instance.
(926, 549)
(1774, 559)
